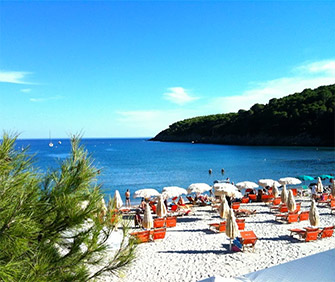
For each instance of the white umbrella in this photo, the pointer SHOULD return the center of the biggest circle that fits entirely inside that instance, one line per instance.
(291, 205)
(227, 189)
(289, 180)
(246, 185)
(161, 208)
(231, 226)
(147, 221)
(319, 186)
(268, 182)
(283, 195)
(314, 217)
(173, 191)
(117, 200)
(224, 208)
(146, 193)
(275, 191)
(198, 188)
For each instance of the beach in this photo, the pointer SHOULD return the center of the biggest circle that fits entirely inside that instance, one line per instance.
(191, 252)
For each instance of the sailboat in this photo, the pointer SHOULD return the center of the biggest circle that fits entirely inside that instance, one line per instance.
(50, 142)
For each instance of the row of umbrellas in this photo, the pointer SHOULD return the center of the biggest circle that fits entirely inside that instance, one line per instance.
(219, 189)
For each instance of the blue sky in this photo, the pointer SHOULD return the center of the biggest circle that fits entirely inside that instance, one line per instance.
(132, 68)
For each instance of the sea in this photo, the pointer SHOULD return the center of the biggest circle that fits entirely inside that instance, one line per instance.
(137, 163)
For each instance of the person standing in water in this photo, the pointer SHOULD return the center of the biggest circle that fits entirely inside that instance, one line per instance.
(127, 194)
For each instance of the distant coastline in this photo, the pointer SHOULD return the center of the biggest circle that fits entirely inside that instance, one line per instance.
(301, 119)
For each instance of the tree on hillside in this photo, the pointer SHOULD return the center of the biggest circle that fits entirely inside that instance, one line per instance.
(52, 226)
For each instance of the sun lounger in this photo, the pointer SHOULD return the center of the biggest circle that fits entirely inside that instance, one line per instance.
(289, 218)
(171, 221)
(218, 227)
(253, 197)
(159, 234)
(326, 232)
(308, 234)
(267, 198)
(159, 222)
(235, 205)
(248, 239)
(141, 236)
(245, 200)
(304, 215)
(240, 224)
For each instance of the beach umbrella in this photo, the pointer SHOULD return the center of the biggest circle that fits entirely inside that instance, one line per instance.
(227, 189)
(319, 186)
(224, 208)
(147, 221)
(198, 188)
(161, 208)
(275, 191)
(332, 192)
(231, 226)
(291, 205)
(289, 180)
(305, 178)
(325, 176)
(283, 195)
(268, 182)
(146, 193)
(246, 185)
(118, 203)
(173, 191)
(314, 217)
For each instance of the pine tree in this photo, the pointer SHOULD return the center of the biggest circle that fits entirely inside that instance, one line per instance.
(53, 226)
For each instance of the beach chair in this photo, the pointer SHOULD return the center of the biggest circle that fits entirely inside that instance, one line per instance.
(291, 217)
(235, 205)
(276, 201)
(159, 222)
(245, 200)
(218, 227)
(326, 232)
(141, 236)
(266, 198)
(253, 197)
(308, 234)
(248, 239)
(171, 221)
(240, 224)
(294, 191)
(298, 207)
(159, 234)
(304, 215)
(154, 208)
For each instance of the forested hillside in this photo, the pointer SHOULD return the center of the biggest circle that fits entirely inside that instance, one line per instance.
(305, 119)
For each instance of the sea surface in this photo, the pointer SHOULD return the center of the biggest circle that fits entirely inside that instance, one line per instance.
(138, 163)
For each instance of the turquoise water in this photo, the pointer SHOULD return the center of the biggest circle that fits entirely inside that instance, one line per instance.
(137, 163)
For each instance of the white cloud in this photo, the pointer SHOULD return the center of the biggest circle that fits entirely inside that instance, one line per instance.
(178, 95)
(26, 90)
(39, 100)
(311, 75)
(16, 77)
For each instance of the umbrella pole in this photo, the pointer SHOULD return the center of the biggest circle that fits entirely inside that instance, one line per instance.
(229, 244)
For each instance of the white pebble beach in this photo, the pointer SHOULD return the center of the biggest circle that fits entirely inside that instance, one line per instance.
(191, 252)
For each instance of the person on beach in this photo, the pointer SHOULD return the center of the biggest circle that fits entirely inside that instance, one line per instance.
(143, 204)
(138, 219)
(127, 194)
